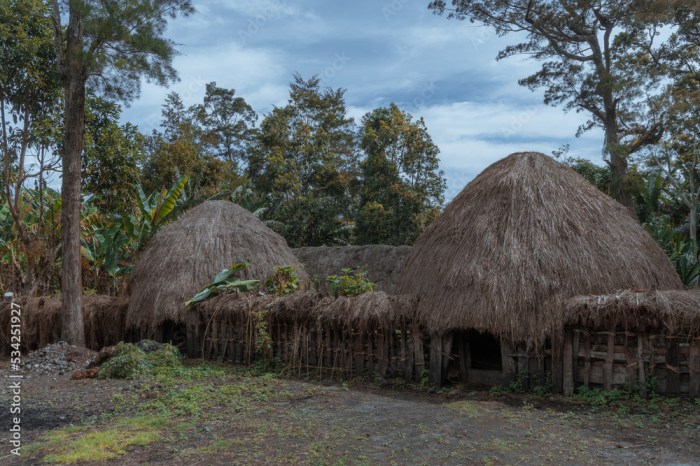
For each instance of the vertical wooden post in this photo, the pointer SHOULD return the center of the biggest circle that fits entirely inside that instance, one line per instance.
(673, 376)
(436, 371)
(641, 340)
(557, 364)
(507, 362)
(609, 361)
(694, 367)
(408, 353)
(524, 367)
(359, 352)
(419, 354)
(446, 354)
(576, 347)
(568, 364)
(464, 356)
(587, 361)
(631, 363)
(370, 352)
(382, 351)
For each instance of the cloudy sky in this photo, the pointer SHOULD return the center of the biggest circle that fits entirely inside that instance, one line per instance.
(380, 51)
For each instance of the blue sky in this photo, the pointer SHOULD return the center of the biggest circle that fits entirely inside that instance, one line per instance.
(381, 51)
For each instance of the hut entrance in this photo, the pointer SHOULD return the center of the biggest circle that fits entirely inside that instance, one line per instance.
(485, 351)
(479, 357)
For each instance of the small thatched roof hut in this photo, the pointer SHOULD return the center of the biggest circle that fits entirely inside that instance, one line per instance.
(186, 255)
(675, 312)
(383, 263)
(521, 239)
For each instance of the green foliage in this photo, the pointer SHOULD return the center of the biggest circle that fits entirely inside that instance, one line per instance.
(304, 159)
(284, 280)
(224, 282)
(263, 340)
(349, 283)
(131, 362)
(112, 158)
(684, 254)
(401, 188)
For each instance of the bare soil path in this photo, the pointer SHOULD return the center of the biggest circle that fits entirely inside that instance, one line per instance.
(220, 416)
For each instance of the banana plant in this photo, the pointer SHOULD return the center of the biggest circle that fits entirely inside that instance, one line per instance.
(225, 281)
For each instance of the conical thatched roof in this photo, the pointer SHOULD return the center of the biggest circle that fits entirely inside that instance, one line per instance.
(186, 255)
(521, 239)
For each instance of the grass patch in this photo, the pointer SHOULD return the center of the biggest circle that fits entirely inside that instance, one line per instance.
(469, 408)
(76, 444)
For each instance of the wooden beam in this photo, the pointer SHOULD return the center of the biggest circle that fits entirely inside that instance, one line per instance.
(508, 364)
(436, 371)
(568, 364)
(641, 342)
(673, 376)
(609, 360)
(694, 367)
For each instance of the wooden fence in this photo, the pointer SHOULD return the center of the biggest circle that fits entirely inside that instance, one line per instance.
(635, 361)
(313, 346)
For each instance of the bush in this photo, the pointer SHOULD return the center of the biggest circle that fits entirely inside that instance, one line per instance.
(131, 362)
(349, 285)
(284, 280)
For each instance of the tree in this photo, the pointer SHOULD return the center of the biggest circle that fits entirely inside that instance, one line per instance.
(180, 150)
(110, 46)
(113, 157)
(29, 97)
(226, 123)
(596, 58)
(305, 160)
(401, 188)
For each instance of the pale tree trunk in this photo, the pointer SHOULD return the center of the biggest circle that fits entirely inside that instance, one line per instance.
(618, 167)
(72, 330)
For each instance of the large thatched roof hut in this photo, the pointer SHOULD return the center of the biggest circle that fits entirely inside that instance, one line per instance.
(521, 239)
(186, 255)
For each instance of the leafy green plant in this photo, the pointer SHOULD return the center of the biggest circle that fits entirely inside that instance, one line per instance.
(225, 281)
(349, 283)
(131, 362)
(284, 280)
(684, 254)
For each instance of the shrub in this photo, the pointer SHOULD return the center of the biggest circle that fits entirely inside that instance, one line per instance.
(131, 362)
(349, 283)
(284, 280)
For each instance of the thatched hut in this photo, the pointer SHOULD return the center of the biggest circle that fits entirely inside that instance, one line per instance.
(185, 256)
(383, 263)
(103, 318)
(493, 272)
(632, 338)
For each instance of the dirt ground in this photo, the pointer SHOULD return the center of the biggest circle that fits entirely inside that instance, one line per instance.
(222, 415)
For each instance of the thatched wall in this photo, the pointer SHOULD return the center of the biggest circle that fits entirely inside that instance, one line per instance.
(103, 317)
(382, 263)
(521, 239)
(308, 332)
(675, 312)
(186, 255)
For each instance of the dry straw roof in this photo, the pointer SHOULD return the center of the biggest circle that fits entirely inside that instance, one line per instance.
(375, 309)
(383, 263)
(523, 237)
(186, 255)
(674, 312)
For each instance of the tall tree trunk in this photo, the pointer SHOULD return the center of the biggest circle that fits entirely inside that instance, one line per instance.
(72, 330)
(618, 166)
(694, 222)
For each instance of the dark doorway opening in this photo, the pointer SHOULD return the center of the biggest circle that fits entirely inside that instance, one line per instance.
(485, 350)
